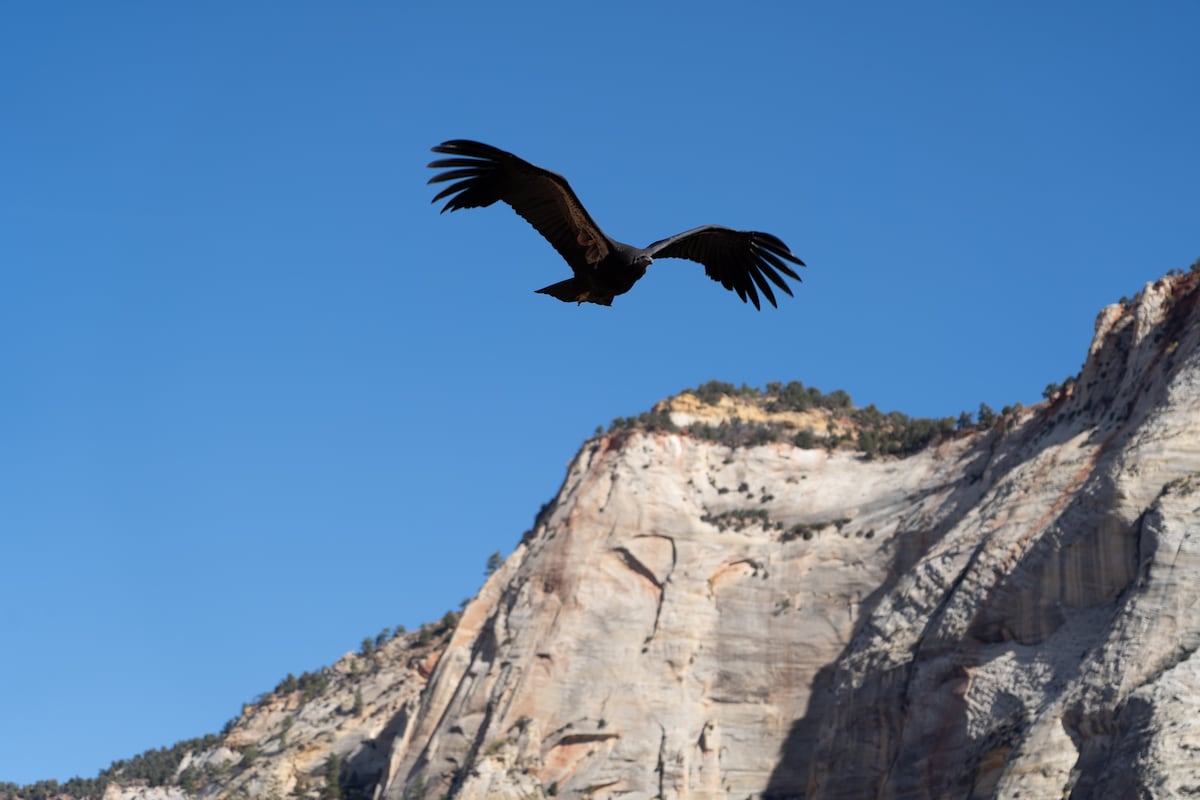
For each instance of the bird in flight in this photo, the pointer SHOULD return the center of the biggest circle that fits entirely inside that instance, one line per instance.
(746, 262)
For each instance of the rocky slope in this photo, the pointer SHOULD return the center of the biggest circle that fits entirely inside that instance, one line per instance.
(1007, 613)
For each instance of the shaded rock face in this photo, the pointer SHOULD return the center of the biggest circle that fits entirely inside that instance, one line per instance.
(1011, 613)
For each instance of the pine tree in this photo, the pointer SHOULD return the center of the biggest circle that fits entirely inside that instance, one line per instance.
(333, 778)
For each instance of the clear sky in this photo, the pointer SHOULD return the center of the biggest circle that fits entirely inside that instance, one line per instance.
(258, 400)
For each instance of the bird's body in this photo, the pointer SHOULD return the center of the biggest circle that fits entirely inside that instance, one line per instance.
(603, 268)
(615, 274)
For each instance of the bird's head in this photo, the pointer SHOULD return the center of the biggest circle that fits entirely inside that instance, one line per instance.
(642, 261)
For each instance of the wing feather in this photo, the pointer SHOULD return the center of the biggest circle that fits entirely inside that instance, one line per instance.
(775, 278)
(738, 260)
(763, 286)
(485, 174)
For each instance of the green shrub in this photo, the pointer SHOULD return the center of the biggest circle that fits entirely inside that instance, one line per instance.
(871, 431)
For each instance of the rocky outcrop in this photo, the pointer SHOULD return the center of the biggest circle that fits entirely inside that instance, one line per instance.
(1007, 613)
(326, 734)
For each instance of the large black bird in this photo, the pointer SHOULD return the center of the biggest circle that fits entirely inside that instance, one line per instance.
(603, 267)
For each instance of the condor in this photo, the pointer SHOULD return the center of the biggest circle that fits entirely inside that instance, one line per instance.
(746, 262)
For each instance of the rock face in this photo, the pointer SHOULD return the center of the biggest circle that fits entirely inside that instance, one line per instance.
(1009, 613)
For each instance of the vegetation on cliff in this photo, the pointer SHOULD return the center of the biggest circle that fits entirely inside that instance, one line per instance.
(867, 430)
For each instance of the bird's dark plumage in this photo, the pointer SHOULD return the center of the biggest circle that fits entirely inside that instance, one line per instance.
(747, 262)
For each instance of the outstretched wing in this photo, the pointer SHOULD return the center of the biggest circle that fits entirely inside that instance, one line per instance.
(739, 260)
(483, 174)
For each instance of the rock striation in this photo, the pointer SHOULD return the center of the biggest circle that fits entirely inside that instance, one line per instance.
(1010, 612)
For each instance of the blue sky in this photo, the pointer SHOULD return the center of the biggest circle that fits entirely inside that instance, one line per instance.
(260, 400)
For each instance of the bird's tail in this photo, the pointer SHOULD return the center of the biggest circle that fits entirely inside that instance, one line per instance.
(569, 291)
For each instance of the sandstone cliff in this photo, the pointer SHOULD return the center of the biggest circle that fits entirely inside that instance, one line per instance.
(1007, 613)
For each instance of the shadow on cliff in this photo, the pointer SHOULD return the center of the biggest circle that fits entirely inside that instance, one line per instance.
(790, 778)
(1077, 525)
(363, 772)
